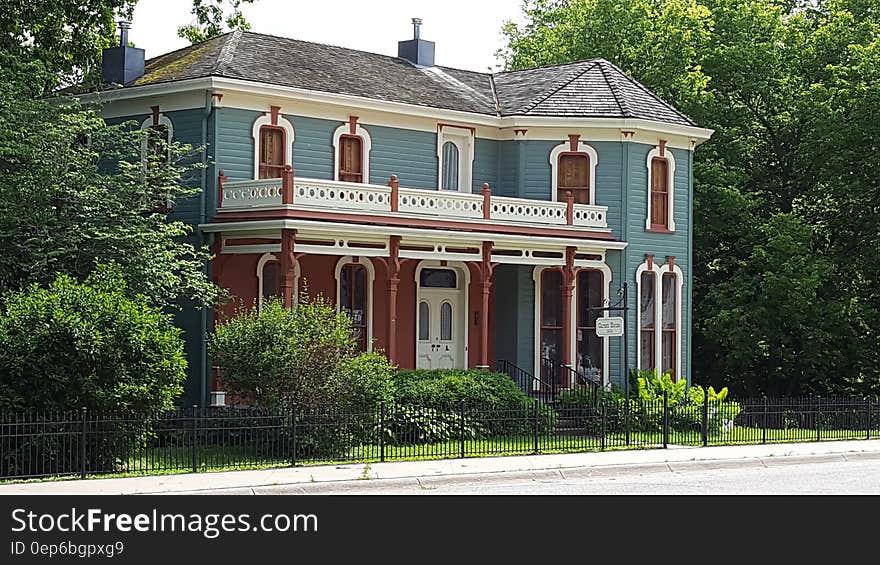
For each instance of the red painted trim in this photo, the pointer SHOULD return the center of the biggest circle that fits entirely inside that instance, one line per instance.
(441, 125)
(573, 140)
(569, 207)
(627, 133)
(487, 201)
(568, 275)
(287, 185)
(395, 193)
(522, 131)
(274, 110)
(659, 229)
(352, 125)
(670, 260)
(288, 263)
(339, 156)
(662, 147)
(218, 96)
(155, 110)
(393, 265)
(408, 222)
(650, 258)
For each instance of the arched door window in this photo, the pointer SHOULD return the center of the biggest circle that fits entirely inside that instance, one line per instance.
(446, 321)
(351, 159)
(424, 321)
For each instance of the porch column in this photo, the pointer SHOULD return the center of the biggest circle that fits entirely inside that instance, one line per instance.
(287, 264)
(393, 282)
(486, 268)
(567, 292)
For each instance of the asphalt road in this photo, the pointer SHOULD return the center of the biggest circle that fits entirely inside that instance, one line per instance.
(835, 474)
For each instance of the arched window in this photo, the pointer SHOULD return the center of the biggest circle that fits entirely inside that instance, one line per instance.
(551, 315)
(661, 190)
(647, 316)
(574, 176)
(668, 324)
(590, 347)
(450, 176)
(269, 279)
(424, 320)
(155, 153)
(351, 159)
(354, 296)
(446, 321)
(351, 150)
(271, 152)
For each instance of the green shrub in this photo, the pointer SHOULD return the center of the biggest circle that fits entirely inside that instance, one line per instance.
(410, 425)
(359, 384)
(497, 404)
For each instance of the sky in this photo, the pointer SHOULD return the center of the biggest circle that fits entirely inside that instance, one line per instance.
(467, 33)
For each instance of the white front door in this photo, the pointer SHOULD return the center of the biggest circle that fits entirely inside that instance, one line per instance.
(440, 335)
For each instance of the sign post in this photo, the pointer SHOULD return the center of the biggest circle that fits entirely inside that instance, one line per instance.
(615, 326)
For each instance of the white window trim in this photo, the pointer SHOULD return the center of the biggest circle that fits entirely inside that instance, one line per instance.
(366, 147)
(371, 277)
(261, 264)
(463, 138)
(606, 279)
(659, 271)
(289, 137)
(554, 167)
(670, 186)
(163, 120)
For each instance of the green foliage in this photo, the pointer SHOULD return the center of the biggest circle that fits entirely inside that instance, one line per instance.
(506, 410)
(91, 344)
(651, 387)
(786, 246)
(359, 384)
(93, 201)
(210, 19)
(280, 356)
(410, 425)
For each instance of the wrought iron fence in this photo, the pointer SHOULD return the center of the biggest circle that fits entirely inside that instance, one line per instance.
(84, 443)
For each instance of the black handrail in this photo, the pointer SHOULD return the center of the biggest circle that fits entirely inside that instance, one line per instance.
(526, 381)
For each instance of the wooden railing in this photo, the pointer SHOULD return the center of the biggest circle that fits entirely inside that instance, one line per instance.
(328, 195)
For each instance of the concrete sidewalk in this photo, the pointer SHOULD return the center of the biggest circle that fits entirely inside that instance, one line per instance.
(329, 479)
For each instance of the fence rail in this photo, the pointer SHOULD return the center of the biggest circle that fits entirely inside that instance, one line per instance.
(84, 443)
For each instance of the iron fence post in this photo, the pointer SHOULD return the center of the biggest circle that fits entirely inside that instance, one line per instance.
(603, 423)
(705, 418)
(381, 431)
(665, 419)
(764, 421)
(626, 418)
(195, 440)
(293, 435)
(535, 424)
(868, 417)
(818, 418)
(83, 436)
(461, 428)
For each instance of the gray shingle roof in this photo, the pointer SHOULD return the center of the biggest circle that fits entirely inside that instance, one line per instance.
(593, 88)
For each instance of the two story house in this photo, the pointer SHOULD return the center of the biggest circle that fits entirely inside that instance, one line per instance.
(461, 219)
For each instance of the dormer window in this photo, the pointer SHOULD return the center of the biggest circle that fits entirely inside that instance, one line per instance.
(271, 152)
(351, 146)
(661, 190)
(455, 153)
(273, 137)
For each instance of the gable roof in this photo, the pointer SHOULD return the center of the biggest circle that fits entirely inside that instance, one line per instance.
(593, 88)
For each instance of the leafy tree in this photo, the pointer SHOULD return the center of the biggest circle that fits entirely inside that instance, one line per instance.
(786, 200)
(210, 18)
(74, 192)
(88, 344)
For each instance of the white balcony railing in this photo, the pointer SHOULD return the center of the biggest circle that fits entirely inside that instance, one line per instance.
(330, 196)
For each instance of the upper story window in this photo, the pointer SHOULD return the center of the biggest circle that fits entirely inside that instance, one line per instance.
(351, 148)
(455, 153)
(661, 173)
(573, 169)
(273, 144)
(271, 152)
(156, 150)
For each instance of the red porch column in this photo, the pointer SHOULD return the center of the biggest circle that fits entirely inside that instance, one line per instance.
(486, 269)
(567, 293)
(393, 282)
(288, 263)
(287, 185)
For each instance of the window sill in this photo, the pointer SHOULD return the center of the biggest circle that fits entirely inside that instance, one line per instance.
(659, 229)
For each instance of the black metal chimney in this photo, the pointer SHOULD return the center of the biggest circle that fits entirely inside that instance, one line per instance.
(417, 51)
(122, 65)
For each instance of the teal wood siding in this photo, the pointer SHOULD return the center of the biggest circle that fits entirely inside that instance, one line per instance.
(485, 164)
(662, 245)
(234, 148)
(508, 168)
(536, 169)
(313, 147)
(409, 154)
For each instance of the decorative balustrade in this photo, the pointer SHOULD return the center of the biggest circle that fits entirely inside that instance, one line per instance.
(326, 195)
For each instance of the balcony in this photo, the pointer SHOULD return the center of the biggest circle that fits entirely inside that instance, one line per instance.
(394, 200)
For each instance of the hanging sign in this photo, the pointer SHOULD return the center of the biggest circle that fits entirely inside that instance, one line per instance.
(609, 327)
